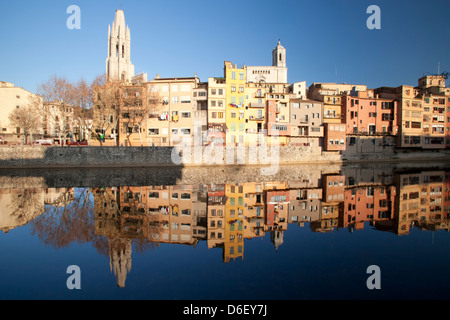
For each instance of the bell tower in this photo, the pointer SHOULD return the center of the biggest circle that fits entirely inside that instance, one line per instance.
(279, 56)
(118, 62)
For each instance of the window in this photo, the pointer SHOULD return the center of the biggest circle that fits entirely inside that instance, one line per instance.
(279, 128)
(241, 76)
(185, 99)
(153, 131)
(185, 87)
(185, 131)
(233, 75)
(185, 114)
(185, 196)
(174, 99)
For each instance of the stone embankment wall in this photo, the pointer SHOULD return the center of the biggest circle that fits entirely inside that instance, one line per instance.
(39, 156)
(103, 157)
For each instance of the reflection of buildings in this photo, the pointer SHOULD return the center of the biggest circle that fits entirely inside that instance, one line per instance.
(422, 201)
(225, 215)
(18, 206)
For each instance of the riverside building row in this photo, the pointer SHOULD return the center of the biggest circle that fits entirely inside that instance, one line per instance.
(247, 105)
(230, 110)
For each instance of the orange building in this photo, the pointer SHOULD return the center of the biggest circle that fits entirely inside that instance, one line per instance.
(369, 116)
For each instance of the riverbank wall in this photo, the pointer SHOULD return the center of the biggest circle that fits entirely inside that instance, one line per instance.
(104, 157)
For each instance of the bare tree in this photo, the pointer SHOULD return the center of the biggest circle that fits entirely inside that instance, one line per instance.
(58, 94)
(27, 119)
(82, 99)
(137, 105)
(106, 106)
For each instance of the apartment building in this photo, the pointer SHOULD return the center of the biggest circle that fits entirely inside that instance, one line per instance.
(335, 137)
(216, 111)
(200, 113)
(330, 95)
(235, 104)
(216, 215)
(422, 119)
(420, 201)
(255, 113)
(370, 203)
(234, 222)
(365, 115)
(305, 205)
(173, 122)
(306, 122)
(11, 98)
(278, 113)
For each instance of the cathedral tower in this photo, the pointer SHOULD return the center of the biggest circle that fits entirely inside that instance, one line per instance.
(118, 63)
(279, 56)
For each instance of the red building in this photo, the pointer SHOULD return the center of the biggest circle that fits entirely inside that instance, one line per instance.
(367, 204)
(369, 115)
(334, 137)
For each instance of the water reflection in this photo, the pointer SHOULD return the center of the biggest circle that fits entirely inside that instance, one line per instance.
(118, 220)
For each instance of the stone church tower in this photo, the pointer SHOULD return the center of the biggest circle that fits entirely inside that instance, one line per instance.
(279, 56)
(118, 63)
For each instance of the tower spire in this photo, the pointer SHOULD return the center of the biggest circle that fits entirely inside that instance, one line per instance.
(118, 62)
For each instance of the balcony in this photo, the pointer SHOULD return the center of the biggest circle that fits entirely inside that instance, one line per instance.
(256, 105)
(332, 116)
(256, 118)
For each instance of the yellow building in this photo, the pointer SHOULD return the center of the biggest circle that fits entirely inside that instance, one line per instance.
(234, 220)
(255, 114)
(12, 98)
(235, 104)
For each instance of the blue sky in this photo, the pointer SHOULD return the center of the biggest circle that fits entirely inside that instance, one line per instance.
(326, 41)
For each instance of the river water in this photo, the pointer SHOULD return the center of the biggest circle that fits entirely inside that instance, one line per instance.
(330, 232)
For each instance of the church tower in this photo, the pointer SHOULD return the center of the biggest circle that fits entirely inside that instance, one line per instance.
(118, 62)
(279, 56)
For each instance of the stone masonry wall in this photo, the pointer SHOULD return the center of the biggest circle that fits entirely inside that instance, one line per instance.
(67, 157)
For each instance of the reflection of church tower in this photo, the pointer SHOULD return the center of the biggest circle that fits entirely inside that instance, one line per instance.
(118, 63)
(120, 259)
(276, 237)
(279, 56)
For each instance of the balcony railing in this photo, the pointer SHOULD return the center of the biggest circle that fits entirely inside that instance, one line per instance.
(256, 105)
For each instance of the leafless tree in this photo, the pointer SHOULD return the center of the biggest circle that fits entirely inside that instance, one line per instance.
(27, 118)
(58, 95)
(137, 105)
(106, 106)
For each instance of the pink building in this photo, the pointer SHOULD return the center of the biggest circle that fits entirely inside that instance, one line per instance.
(369, 116)
(334, 137)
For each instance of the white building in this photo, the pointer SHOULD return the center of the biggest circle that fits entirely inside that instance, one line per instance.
(11, 98)
(118, 62)
(277, 73)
